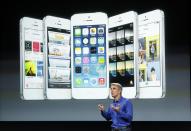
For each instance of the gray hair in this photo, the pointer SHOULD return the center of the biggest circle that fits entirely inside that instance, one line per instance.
(118, 85)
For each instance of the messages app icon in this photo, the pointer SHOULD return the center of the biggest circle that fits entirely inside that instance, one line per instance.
(78, 32)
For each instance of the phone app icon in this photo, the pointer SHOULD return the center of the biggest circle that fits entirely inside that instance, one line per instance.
(93, 40)
(78, 60)
(78, 50)
(77, 32)
(93, 50)
(93, 59)
(86, 69)
(36, 46)
(85, 31)
(92, 31)
(86, 81)
(78, 69)
(85, 50)
(28, 46)
(85, 41)
(93, 81)
(77, 41)
(100, 31)
(100, 50)
(101, 60)
(100, 40)
(78, 81)
(86, 60)
(101, 81)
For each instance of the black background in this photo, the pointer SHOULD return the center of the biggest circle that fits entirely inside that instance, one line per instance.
(176, 18)
(177, 33)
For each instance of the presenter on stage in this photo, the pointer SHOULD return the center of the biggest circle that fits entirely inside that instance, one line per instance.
(120, 110)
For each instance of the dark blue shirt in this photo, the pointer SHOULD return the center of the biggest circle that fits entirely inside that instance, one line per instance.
(121, 118)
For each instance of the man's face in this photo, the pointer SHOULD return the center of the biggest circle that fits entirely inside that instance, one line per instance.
(153, 72)
(115, 91)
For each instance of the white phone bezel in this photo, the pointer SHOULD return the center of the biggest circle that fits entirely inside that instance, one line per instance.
(122, 19)
(36, 93)
(51, 21)
(90, 19)
(160, 91)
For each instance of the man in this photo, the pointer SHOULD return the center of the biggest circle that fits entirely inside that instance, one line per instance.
(120, 111)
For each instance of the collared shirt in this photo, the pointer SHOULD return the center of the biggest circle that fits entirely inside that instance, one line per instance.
(121, 118)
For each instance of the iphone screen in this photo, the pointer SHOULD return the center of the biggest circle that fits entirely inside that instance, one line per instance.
(33, 58)
(149, 54)
(58, 58)
(121, 55)
(89, 45)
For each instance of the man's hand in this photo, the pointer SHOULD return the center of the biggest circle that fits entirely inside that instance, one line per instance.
(101, 107)
(117, 108)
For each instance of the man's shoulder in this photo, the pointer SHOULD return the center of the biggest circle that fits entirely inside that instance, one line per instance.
(126, 100)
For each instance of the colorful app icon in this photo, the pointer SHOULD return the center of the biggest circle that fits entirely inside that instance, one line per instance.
(101, 60)
(78, 81)
(85, 69)
(77, 41)
(36, 46)
(93, 40)
(78, 69)
(100, 31)
(85, 50)
(101, 81)
(78, 60)
(100, 50)
(78, 50)
(77, 32)
(93, 81)
(85, 41)
(86, 60)
(92, 31)
(28, 46)
(85, 31)
(93, 59)
(100, 40)
(93, 50)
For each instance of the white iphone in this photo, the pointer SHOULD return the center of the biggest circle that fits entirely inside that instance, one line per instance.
(123, 52)
(57, 58)
(89, 44)
(31, 59)
(151, 50)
